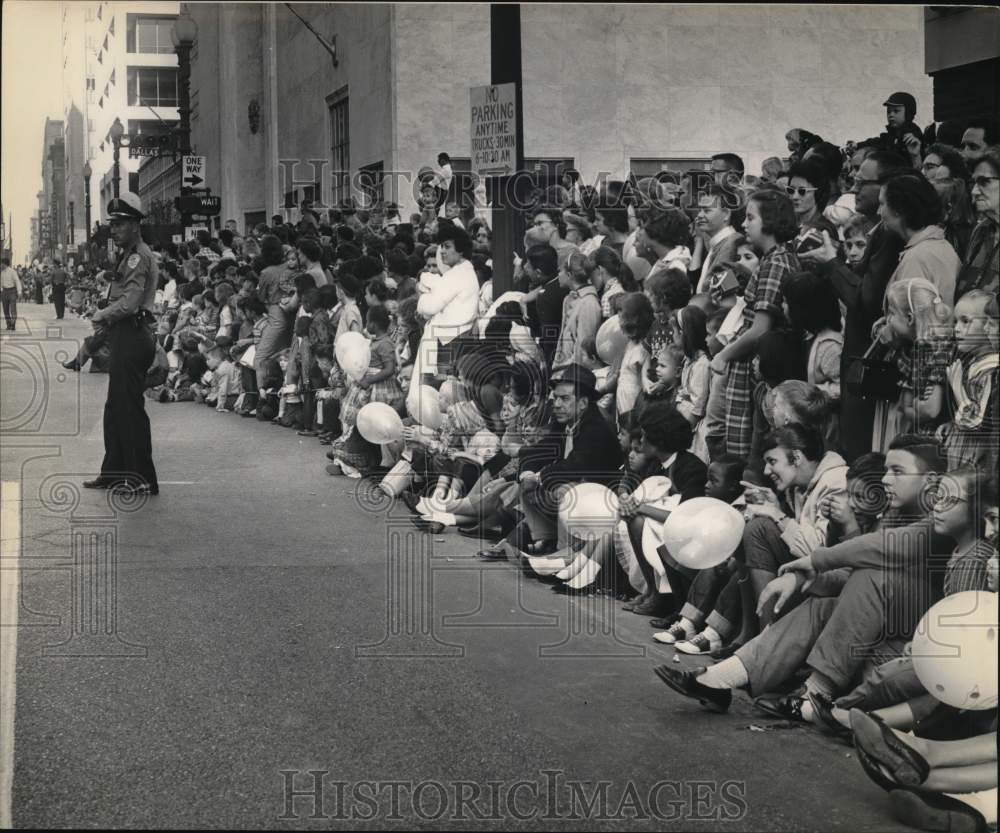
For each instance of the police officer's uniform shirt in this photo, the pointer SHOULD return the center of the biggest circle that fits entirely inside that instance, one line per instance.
(134, 284)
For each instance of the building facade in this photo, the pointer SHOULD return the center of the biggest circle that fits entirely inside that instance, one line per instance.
(962, 56)
(51, 210)
(118, 62)
(607, 88)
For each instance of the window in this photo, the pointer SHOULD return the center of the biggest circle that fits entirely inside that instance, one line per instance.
(149, 127)
(133, 182)
(371, 180)
(149, 34)
(152, 86)
(294, 197)
(91, 83)
(340, 144)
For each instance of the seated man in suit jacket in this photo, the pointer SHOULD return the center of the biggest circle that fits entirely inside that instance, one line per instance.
(578, 446)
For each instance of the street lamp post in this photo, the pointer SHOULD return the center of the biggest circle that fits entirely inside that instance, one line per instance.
(183, 35)
(117, 131)
(87, 172)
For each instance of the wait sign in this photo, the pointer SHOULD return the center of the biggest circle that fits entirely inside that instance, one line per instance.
(494, 129)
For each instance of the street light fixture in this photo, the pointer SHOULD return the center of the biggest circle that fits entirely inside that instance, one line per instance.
(183, 35)
(87, 172)
(185, 30)
(117, 131)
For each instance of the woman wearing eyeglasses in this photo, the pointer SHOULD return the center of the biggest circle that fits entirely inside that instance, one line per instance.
(946, 170)
(982, 260)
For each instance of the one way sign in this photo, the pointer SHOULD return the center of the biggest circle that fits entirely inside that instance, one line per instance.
(194, 171)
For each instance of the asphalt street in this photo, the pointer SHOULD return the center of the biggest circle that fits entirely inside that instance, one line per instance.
(188, 661)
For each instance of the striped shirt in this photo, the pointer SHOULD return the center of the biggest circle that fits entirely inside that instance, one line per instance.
(966, 570)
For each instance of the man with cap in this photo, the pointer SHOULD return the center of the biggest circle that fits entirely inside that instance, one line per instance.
(58, 280)
(577, 446)
(902, 135)
(128, 319)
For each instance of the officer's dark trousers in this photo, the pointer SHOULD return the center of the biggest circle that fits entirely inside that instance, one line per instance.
(59, 298)
(128, 448)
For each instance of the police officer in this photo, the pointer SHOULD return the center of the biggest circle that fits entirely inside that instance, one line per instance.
(128, 320)
(58, 281)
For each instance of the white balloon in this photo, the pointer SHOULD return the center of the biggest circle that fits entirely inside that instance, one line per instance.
(611, 341)
(424, 405)
(521, 339)
(588, 507)
(448, 395)
(715, 526)
(353, 354)
(653, 489)
(693, 552)
(379, 423)
(955, 650)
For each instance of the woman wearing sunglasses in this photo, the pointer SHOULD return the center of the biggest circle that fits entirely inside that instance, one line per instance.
(809, 190)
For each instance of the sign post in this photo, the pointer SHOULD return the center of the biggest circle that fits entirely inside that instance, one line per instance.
(508, 192)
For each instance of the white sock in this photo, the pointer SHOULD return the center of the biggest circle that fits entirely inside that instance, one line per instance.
(730, 673)
(689, 628)
(711, 634)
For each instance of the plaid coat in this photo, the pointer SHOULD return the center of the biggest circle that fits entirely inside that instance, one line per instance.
(763, 294)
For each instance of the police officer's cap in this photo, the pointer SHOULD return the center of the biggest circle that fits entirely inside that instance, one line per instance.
(125, 207)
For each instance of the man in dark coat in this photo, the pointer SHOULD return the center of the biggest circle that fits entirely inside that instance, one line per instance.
(578, 446)
(862, 291)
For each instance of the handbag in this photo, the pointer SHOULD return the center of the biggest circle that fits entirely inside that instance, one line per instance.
(871, 378)
(249, 357)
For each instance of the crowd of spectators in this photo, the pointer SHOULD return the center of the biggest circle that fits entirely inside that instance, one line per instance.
(816, 344)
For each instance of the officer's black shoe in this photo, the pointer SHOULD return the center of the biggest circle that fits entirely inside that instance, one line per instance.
(99, 483)
(135, 487)
(72, 364)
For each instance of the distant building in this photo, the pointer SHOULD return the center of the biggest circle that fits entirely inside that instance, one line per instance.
(52, 196)
(118, 62)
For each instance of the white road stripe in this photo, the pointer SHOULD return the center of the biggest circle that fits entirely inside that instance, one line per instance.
(10, 584)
